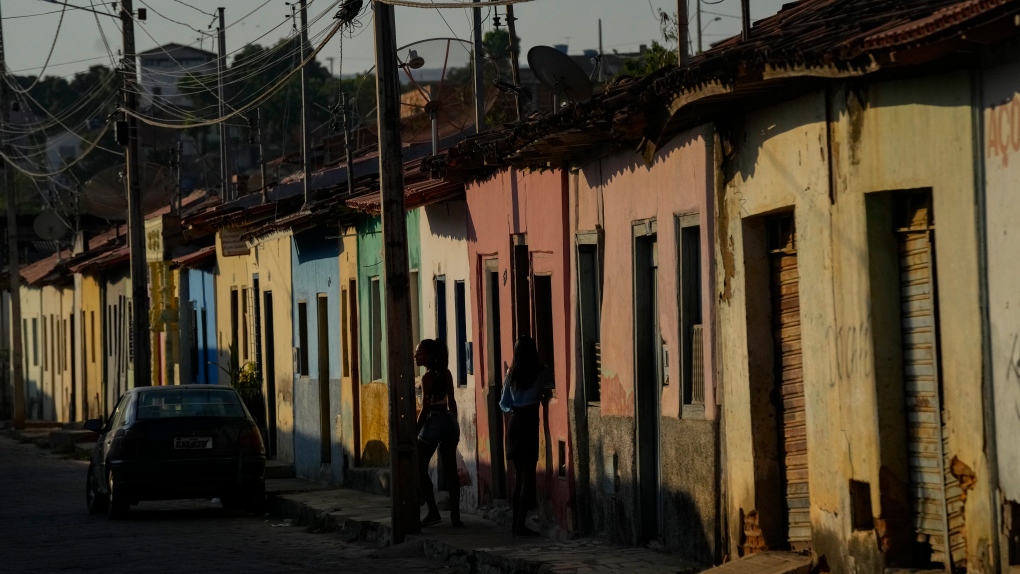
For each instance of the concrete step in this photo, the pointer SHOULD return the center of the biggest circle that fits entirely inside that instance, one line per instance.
(279, 469)
(84, 449)
(64, 440)
(766, 563)
(372, 480)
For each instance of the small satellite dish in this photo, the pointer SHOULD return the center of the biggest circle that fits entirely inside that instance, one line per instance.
(106, 197)
(49, 226)
(559, 73)
(437, 99)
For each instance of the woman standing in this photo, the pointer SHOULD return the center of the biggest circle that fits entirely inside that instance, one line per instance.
(528, 382)
(437, 428)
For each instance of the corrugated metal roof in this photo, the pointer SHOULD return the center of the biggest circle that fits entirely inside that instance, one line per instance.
(196, 258)
(415, 196)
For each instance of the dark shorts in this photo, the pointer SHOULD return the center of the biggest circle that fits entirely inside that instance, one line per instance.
(440, 427)
(522, 435)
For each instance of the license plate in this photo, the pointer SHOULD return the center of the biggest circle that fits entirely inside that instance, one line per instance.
(193, 442)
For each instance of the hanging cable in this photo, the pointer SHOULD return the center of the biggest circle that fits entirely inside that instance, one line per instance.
(53, 45)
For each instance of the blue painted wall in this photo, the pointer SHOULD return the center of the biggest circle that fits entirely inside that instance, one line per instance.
(202, 294)
(316, 270)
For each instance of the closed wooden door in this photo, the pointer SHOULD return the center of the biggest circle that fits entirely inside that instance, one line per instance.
(789, 379)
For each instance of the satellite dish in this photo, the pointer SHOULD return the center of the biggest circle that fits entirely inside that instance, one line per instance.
(50, 226)
(437, 96)
(560, 74)
(105, 193)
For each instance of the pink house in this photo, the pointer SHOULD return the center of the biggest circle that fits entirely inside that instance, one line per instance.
(519, 250)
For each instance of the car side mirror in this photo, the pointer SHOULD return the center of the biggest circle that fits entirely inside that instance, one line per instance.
(94, 425)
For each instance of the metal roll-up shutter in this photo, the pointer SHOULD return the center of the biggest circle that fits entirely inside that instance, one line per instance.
(936, 496)
(789, 371)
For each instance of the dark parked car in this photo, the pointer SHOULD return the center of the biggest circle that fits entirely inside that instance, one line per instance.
(187, 441)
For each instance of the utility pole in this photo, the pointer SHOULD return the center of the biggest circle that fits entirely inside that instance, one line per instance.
(12, 250)
(476, 22)
(330, 60)
(180, 182)
(697, 3)
(136, 217)
(602, 67)
(515, 65)
(306, 135)
(683, 31)
(262, 157)
(221, 72)
(403, 447)
(348, 145)
(745, 19)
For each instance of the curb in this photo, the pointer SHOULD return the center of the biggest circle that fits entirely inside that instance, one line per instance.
(349, 529)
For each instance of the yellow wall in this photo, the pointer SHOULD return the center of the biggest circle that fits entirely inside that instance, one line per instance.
(92, 329)
(892, 136)
(232, 273)
(274, 261)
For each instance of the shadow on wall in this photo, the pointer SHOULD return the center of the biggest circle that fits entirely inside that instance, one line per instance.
(608, 171)
(376, 454)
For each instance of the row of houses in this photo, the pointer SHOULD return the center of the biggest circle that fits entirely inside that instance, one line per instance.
(776, 286)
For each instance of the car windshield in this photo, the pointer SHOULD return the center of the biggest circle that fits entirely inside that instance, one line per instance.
(164, 404)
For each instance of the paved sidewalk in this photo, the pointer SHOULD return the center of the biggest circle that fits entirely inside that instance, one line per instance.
(481, 546)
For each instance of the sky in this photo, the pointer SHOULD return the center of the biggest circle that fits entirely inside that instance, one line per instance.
(30, 28)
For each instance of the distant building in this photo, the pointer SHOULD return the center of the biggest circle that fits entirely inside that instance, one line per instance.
(161, 69)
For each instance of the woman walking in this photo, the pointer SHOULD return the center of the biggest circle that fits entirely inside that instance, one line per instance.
(528, 383)
(437, 428)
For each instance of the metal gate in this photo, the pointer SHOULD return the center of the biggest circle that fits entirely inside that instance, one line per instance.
(936, 496)
(789, 379)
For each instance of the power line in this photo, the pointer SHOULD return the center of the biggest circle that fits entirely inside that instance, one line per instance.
(199, 10)
(53, 45)
(269, 92)
(30, 15)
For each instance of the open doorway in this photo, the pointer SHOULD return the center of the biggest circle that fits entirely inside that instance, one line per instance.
(494, 369)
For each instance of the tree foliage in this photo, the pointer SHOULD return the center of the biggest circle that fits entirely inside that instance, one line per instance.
(256, 68)
(659, 55)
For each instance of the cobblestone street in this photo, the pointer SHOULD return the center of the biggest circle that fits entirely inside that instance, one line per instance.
(47, 529)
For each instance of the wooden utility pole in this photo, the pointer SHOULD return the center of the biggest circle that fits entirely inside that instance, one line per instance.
(697, 11)
(221, 80)
(17, 372)
(745, 19)
(399, 358)
(515, 64)
(348, 141)
(306, 135)
(476, 22)
(136, 216)
(683, 32)
(262, 157)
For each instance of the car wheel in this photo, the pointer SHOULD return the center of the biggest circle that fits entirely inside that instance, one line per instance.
(119, 503)
(95, 500)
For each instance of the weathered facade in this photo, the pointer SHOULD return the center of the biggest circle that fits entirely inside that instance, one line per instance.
(374, 391)
(274, 255)
(1000, 149)
(315, 281)
(643, 403)
(853, 373)
(447, 315)
(518, 250)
